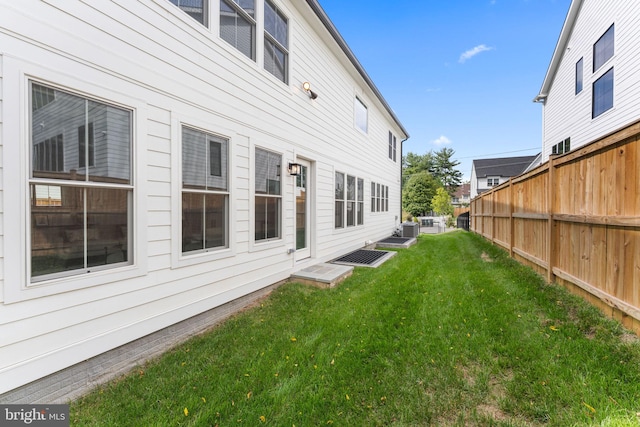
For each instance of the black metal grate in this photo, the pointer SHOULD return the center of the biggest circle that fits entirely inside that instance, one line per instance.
(395, 240)
(362, 256)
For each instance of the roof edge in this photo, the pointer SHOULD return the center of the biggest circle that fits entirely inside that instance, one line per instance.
(561, 45)
(326, 21)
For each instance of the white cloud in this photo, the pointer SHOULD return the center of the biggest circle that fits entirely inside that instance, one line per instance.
(473, 52)
(443, 140)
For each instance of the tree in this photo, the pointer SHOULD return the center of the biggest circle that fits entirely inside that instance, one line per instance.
(444, 170)
(418, 192)
(441, 202)
(413, 164)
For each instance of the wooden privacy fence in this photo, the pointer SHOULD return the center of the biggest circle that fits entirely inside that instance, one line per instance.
(576, 220)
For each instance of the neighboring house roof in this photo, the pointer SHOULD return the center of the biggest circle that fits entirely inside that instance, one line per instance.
(560, 49)
(505, 166)
(324, 18)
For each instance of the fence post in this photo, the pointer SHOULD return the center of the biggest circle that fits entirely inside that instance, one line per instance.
(511, 225)
(551, 234)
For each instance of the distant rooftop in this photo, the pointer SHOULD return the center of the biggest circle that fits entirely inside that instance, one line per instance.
(505, 166)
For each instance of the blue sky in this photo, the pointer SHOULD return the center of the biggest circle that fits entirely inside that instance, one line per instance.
(458, 73)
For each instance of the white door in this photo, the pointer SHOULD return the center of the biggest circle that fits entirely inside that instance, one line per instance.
(303, 211)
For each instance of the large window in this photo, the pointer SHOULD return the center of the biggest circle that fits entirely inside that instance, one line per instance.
(80, 217)
(579, 75)
(238, 25)
(276, 42)
(268, 195)
(361, 115)
(379, 197)
(197, 9)
(205, 196)
(603, 49)
(602, 94)
(349, 200)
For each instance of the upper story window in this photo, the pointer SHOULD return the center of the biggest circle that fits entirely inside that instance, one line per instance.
(80, 216)
(276, 42)
(602, 94)
(579, 75)
(492, 182)
(603, 49)
(238, 25)
(197, 9)
(205, 196)
(392, 146)
(361, 113)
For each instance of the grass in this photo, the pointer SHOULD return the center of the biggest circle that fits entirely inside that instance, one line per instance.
(450, 332)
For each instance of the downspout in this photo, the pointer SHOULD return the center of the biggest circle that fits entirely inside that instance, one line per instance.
(401, 178)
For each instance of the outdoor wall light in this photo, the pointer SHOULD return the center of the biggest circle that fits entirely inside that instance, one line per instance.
(295, 169)
(307, 87)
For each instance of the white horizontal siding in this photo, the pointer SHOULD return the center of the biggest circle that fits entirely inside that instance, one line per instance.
(566, 114)
(150, 55)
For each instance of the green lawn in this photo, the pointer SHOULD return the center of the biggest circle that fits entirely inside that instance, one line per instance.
(450, 332)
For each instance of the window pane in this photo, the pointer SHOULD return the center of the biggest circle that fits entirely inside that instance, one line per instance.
(215, 220)
(360, 213)
(63, 238)
(351, 214)
(275, 23)
(360, 190)
(57, 229)
(339, 214)
(236, 29)
(194, 159)
(373, 196)
(603, 49)
(267, 219)
(351, 187)
(107, 226)
(603, 93)
(579, 76)
(339, 186)
(194, 8)
(361, 116)
(275, 60)
(60, 119)
(268, 167)
(192, 222)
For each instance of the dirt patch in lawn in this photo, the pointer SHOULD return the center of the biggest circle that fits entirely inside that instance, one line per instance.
(485, 257)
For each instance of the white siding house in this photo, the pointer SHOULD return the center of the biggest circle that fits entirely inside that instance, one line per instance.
(489, 173)
(591, 87)
(145, 149)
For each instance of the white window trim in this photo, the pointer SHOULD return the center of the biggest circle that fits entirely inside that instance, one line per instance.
(178, 258)
(16, 239)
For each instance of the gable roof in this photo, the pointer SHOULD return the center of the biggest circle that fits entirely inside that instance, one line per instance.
(561, 47)
(324, 18)
(505, 166)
